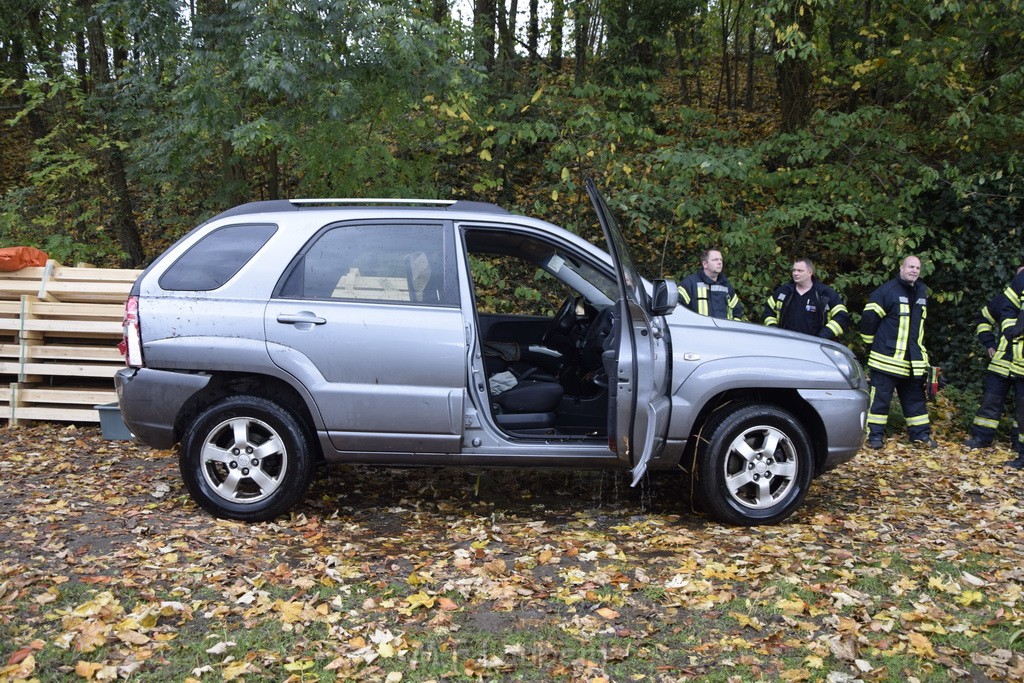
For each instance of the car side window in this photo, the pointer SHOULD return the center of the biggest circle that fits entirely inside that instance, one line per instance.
(378, 262)
(215, 258)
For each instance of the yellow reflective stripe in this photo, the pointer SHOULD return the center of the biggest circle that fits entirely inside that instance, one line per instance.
(1012, 296)
(1000, 366)
(902, 333)
(985, 422)
(684, 295)
(774, 305)
(920, 338)
(887, 364)
(875, 308)
(836, 328)
(1003, 344)
(868, 339)
(840, 309)
(875, 418)
(702, 300)
(918, 420)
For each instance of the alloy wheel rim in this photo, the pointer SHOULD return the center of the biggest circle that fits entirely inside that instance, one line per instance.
(761, 467)
(244, 460)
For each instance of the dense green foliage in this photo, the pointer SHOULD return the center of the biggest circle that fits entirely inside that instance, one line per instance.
(852, 131)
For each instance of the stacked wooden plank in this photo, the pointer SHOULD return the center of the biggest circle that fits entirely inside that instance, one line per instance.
(59, 329)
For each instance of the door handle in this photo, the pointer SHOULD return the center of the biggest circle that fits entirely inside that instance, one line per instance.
(303, 317)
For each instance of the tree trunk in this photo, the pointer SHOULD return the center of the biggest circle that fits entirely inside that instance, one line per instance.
(18, 70)
(439, 12)
(681, 65)
(81, 61)
(273, 173)
(582, 38)
(507, 32)
(483, 32)
(533, 31)
(750, 67)
(737, 56)
(723, 76)
(793, 74)
(48, 55)
(125, 228)
(557, 31)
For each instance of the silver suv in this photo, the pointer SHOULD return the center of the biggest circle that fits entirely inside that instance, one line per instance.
(283, 334)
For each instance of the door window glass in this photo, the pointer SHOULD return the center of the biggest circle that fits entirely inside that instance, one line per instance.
(380, 263)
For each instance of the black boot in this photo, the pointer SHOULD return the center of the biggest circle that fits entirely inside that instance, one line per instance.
(1017, 463)
(977, 442)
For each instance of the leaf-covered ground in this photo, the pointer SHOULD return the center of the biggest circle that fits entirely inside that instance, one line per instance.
(903, 565)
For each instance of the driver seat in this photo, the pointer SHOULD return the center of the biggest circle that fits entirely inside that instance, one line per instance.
(530, 404)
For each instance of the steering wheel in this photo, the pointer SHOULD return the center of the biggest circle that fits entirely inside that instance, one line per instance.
(563, 321)
(597, 335)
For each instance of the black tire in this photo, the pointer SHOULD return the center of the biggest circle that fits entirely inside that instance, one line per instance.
(246, 458)
(754, 465)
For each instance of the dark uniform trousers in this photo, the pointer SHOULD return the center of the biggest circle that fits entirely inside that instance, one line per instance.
(1019, 441)
(912, 399)
(995, 389)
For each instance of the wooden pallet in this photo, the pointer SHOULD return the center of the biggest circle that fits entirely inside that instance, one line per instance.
(59, 330)
(19, 402)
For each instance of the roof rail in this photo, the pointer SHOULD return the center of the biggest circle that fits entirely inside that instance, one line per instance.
(430, 202)
(276, 205)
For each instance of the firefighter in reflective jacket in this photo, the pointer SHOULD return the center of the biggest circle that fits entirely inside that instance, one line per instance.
(996, 385)
(892, 327)
(708, 292)
(806, 304)
(1014, 334)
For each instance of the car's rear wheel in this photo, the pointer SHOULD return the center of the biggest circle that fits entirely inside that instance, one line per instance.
(246, 458)
(755, 465)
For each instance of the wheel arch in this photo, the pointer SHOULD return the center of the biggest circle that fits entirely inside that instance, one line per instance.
(223, 385)
(785, 399)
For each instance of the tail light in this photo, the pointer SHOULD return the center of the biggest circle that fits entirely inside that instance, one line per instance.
(131, 344)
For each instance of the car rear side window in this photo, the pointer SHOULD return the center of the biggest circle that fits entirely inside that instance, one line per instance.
(402, 263)
(215, 259)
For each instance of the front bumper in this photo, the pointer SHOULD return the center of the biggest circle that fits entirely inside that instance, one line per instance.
(844, 414)
(151, 401)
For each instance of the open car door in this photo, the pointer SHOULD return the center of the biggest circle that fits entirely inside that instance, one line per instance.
(638, 360)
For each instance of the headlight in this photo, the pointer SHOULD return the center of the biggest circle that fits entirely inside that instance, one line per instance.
(847, 364)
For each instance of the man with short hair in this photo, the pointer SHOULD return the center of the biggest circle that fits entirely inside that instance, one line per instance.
(997, 382)
(892, 327)
(806, 304)
(708, 292)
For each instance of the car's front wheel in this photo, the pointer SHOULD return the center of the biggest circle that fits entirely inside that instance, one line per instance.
(754, 465)
(246, 458)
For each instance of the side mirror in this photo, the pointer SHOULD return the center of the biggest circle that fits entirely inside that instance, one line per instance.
(665, 297)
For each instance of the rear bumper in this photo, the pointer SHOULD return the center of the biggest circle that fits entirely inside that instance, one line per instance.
(151, 401)
(844, 414)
